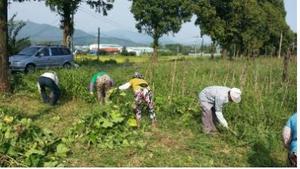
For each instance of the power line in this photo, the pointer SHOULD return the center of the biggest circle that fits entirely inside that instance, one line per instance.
(104, 19)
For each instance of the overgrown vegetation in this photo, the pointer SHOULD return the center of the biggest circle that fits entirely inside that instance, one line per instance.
(106, 136)
(24, 144)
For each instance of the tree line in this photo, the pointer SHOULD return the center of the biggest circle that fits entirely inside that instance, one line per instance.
(241, 28)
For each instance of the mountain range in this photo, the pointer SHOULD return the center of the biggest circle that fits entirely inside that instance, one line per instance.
(39, 33)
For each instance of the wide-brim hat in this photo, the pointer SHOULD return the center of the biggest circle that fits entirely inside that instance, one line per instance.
(235, 95)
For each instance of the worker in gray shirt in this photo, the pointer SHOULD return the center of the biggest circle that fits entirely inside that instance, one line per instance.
(212, 100)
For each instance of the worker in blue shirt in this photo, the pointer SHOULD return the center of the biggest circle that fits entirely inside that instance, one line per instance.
(289, 135)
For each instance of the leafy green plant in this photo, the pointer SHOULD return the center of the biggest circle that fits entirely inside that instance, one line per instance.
(23, 144)
(106, 127)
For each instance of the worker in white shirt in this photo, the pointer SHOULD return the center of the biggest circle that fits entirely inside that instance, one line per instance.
(212, 100)
(142, 93)
(49, 80)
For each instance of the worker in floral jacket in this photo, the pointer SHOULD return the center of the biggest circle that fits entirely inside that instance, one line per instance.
(142, 94)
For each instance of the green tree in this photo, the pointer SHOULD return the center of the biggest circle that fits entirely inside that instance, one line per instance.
(68, 8)
(157, 18)
(4, 76)
(276, 25)
(15, 44)
(175, 48)
(245, 27)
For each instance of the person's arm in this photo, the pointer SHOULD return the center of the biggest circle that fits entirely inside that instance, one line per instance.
(124, 86)
(39, 87)
(91, 87)
(218, 107)
(56, 79)
(221, 119)
(92, 84)
(286, 136)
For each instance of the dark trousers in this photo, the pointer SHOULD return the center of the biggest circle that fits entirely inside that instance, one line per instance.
(49, 83)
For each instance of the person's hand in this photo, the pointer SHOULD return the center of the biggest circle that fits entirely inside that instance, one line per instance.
(226, 126)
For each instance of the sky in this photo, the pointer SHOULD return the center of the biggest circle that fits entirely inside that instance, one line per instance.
(119, 18)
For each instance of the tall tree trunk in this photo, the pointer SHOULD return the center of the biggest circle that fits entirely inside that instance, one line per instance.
(66, 35)
(238, 53)
(67, 29)
(4, 77)
(286, 66)
(234, 50)
(213, 49)
(155, 48)
(223, 53)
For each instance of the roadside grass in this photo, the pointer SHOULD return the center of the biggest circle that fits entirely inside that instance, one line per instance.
(178, 141)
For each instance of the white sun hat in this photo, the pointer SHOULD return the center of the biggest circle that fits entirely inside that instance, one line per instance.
(235, 95)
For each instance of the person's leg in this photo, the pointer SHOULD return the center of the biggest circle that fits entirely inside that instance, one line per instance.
(107, 87)
(150, 105)
(207, 118)
(292, 159)
(214, 117)
(56, 92)
(138, 98)
(100, 88)
(103, 93)
(43, 83)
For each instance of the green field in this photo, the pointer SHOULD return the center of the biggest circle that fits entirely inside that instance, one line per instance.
(94, 137)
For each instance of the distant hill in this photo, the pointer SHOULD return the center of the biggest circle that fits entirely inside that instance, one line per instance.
(44, 32)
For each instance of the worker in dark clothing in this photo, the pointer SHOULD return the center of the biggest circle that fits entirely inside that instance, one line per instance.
(49, 80)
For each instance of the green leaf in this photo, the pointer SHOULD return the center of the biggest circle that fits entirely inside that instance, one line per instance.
(34, 151)
(107, 124)
(62, 150)
(125, 142)
(51, 164)
(8, 134)
(132, 122)
(12, 152)
(116, 117)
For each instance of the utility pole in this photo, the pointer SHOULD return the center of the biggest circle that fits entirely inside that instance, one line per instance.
(202, 41)
(279, 50)
(98, 41)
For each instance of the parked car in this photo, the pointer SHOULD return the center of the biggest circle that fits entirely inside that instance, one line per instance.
(33, 57)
